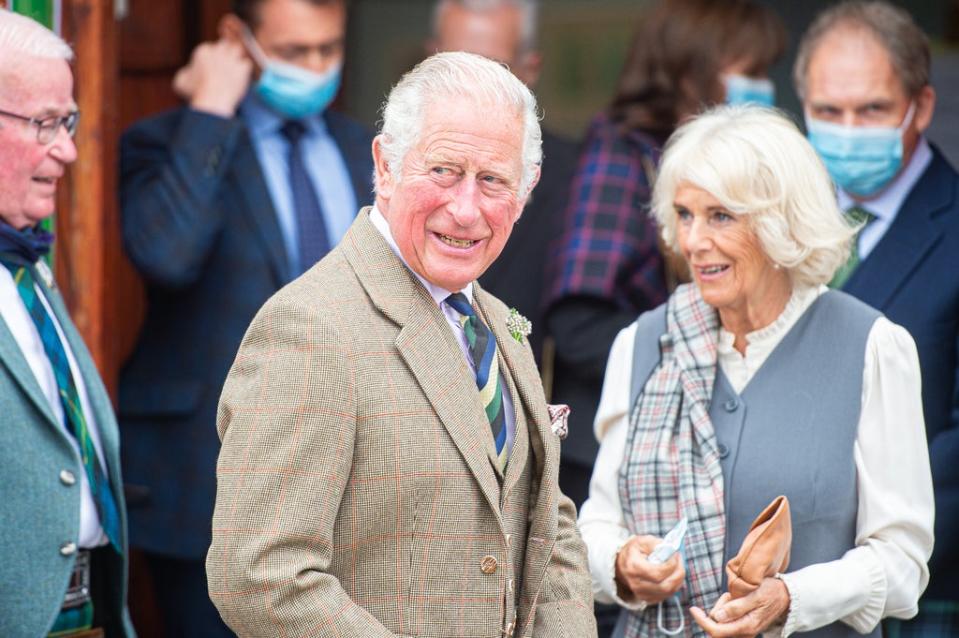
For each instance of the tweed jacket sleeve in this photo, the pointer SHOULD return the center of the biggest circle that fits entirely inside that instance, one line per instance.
(287, 422)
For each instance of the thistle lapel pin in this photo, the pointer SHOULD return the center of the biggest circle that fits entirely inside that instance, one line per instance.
(518, 325)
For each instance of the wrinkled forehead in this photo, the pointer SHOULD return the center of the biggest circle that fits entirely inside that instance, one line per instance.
(35, 86)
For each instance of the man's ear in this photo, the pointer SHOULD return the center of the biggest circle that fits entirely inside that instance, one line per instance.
(382, 175)
(925, 107)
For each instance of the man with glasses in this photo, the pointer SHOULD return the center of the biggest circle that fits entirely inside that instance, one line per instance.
(63, 524)
(223, 202)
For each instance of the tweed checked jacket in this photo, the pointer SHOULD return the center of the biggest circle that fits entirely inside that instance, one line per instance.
(356, 489)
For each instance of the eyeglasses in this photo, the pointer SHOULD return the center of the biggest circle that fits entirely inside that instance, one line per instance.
(47, 127)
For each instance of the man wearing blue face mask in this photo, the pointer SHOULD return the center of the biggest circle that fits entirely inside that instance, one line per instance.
(863, 74)
(224, 201)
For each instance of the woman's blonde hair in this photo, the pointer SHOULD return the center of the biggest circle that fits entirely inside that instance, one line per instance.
(756, 163)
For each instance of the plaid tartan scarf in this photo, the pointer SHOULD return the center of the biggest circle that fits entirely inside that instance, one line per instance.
(671, 466)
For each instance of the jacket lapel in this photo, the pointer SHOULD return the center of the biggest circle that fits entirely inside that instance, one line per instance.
(254, 199)
(913, 233)
(426, 344)
(12, 357)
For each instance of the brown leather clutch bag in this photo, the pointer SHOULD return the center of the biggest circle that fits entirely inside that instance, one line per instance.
(765, 550)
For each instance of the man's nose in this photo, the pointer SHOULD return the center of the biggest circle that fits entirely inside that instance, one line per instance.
(63, 148)
(464, 203)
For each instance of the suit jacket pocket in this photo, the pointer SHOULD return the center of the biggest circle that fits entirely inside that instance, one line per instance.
(172, 398)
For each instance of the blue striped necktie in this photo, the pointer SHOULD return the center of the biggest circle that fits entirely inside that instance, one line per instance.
(24, 278)
(482, 348)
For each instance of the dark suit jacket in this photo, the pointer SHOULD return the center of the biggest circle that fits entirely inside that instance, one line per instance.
(912, 276)
(200, 227)
(517, 277)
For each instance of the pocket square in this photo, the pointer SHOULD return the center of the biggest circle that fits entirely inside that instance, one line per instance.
(765, 550)
(558, 418)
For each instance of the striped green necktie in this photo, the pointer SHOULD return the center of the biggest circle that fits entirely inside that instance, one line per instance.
(482, 347)
(855, 216)
(24, 278)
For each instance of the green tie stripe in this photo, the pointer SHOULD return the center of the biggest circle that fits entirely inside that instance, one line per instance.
(855, 216)
(483, 352)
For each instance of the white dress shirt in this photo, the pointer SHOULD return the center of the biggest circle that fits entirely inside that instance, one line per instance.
(439, 295)
(24, 331)
(885, 573)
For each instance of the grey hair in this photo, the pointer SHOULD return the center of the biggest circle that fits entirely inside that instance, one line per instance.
(460, 75)
(756, 163)
(529, 17)
(21, 35)
(893, 28)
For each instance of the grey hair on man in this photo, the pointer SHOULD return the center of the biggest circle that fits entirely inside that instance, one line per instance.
(21, 35)
(529, 11)
(893, 28)
(461, 75)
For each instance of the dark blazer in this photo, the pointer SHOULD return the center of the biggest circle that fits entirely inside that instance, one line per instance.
(912, 276)
(41, 511)
(518, 276)
(199, 225)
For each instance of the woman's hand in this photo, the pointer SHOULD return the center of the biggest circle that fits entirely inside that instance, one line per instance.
(637, 578)
(747, 616)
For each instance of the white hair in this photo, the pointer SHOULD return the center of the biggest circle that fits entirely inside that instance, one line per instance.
(529, 16)
(21, 35)
(457, 75)
(756, 163)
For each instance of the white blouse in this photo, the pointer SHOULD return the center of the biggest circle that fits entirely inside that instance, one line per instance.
(886, 572)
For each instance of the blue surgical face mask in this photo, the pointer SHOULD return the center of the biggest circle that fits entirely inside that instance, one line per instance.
(289, 90)
(743, 90)
(862, 160)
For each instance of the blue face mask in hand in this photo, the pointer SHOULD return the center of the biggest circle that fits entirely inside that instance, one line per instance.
(672, 543)
(862, 160)
(289, 90)
(744, 90)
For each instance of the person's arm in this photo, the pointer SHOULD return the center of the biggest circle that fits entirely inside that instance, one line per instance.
(287, 422)
(564, 608)
(606, 268)
(617, 559)
(169, 179)
(885, 573)
(943, 454)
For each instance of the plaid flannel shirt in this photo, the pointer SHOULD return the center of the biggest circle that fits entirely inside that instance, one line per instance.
(608, 248)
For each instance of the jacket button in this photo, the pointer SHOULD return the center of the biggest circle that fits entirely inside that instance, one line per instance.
(723, 450)
(508, 537)
(731, 405)
(488, 565)
(510, 628)
(67, 477)
(68, 549)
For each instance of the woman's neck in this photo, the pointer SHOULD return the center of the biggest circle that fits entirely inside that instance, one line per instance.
(756, 312)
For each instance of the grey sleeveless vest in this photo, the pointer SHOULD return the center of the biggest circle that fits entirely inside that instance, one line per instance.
(791, 431)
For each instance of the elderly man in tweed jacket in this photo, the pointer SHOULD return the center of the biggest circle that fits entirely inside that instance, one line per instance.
(388, 464)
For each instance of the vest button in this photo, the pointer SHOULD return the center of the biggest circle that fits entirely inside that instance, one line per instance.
(67, 477)
(723, 450)
(731, 405)
(488, 565)
(68, 549)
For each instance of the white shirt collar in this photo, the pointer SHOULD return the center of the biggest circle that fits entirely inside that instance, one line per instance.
(438, 294)
(890, 200)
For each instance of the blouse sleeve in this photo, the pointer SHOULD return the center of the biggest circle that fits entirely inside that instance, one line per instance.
(886, 572)
(601, 520)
